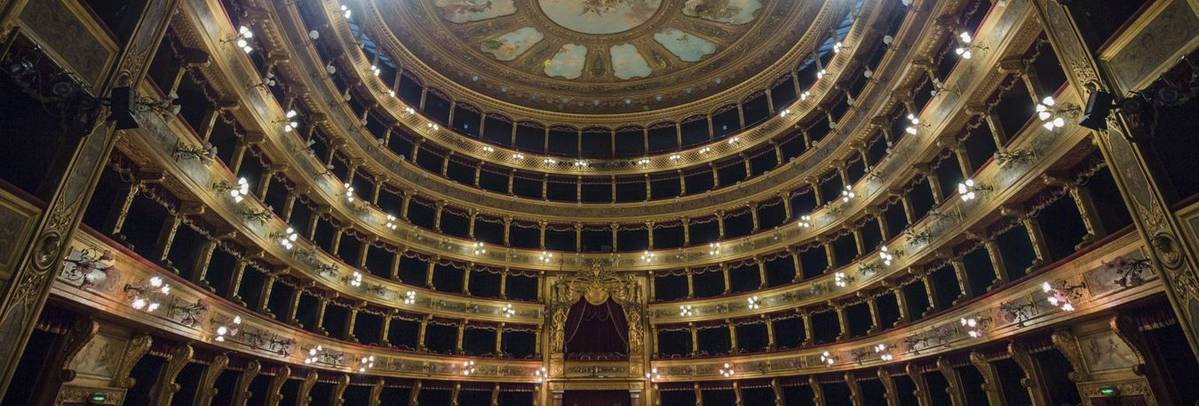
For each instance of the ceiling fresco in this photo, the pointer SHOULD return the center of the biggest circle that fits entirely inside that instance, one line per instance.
(599, 56)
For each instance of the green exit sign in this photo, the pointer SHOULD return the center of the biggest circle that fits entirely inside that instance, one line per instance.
(98, 398)
(1109, 391)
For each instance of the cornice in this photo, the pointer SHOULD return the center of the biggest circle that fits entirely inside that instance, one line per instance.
(196, 314)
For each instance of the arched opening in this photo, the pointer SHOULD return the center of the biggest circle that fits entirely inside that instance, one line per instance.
(596, 332)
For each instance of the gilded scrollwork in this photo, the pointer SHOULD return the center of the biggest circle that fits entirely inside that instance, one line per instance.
(597, 286)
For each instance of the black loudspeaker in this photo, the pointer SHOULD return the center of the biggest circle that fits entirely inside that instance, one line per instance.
(1099, 105)
(122, 108)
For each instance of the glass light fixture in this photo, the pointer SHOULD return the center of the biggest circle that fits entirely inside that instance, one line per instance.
(356, 279)
(885, 255)
(913, 123)
(507, 310)
(288, 238)
(968, 190)
(805, 221)
(244, 35)
(827, 358)
(973, 329)
(847, 194)
(964, 49)
(228, 330)
(686, 310)
(349, 192)
(727, 370)
(840, 279)
(366, 363)
(753, 302)
(410, 297)
(1051, 118)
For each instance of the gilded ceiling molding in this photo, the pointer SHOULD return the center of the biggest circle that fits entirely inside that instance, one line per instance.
(690, 157)
(829, 13)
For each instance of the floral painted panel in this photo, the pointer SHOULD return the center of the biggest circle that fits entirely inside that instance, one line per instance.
(725, 11)
(627, 63)
(689, 48)
(568, 62)
(464, 11)
(599, 16)
(511, 45)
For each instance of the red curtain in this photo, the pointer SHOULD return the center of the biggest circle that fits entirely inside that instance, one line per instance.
(596, 332)
(596, 398)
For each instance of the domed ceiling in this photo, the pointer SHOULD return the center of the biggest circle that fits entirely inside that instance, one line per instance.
(599, 56)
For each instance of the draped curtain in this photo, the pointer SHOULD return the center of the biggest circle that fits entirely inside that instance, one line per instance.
(596, 398)
(596, 332)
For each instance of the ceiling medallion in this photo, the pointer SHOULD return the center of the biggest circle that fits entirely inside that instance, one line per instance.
(599, 56)
(599, 16)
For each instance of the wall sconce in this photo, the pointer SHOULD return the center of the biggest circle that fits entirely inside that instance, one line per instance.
(1053, 117)
(847, 194)
(883, 352)
(349, 192)
(242, 40)
(885, 255)
(805, 221)
(784, 113)
(314, 355)
(507, 310)
(468, 367)
(686, 311)
(713, 248)
(913, 124)
(355, 279)
(410, 297)
(346, 12)
(238, 192)
(479, 249)
(228, 330)
(753, 302)
(287, 238)
(652, 375)
(968, 190)
(1062, 295)
(973, 327)
(541, 374)
(804, 96)
(827, 358)
(647, 256)
(840, 279)
(727, 370)
(146, 295)
(391, 223)
(289, 122)
(837, 47)
(366, 363)
(966, 46)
